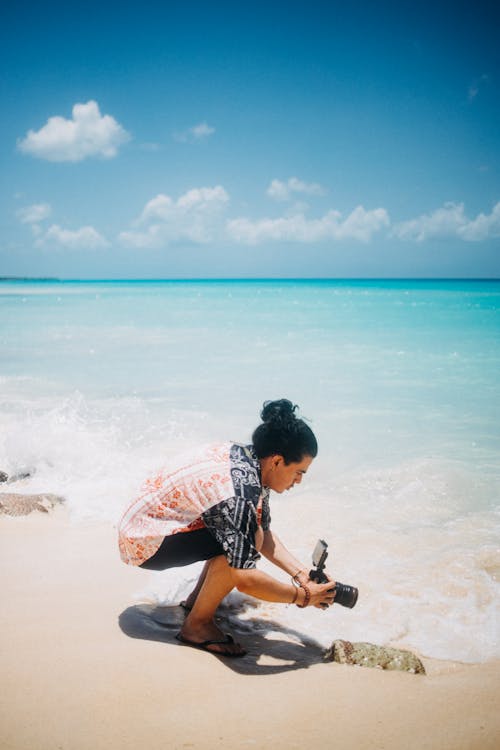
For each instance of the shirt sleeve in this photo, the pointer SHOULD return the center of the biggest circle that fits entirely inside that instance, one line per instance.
(233, 524)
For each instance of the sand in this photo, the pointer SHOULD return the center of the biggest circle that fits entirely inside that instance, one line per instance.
(84, 664)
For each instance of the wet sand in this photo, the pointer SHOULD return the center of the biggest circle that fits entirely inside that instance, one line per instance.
(85, 664)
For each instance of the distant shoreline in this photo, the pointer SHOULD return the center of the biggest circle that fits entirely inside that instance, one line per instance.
(30, 278)
(357, 279)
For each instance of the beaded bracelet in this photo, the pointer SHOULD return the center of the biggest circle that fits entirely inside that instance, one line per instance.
(295, 595)
(307, 597)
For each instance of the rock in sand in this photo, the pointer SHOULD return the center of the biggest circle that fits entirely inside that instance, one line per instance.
(15, 504)
(370, 655)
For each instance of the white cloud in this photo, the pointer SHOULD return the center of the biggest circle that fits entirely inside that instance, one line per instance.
(359, 225)
(194, 216)
(198, 199)
(160, 207)
(85, 238)
(450, 221)
(197, 133)
(483, 227)
(476, 85)
(203, 130)
(34, 214)
(443, 222)
(87, 134)
(284, 191)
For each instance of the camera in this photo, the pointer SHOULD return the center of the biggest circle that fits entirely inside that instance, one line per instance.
(345, 595)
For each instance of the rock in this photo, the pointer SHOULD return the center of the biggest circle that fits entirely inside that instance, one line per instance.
(17, 476)
(21, 474)
(14, 504)
(370, 655)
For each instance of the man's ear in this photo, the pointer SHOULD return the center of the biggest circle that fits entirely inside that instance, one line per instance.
(277, 460)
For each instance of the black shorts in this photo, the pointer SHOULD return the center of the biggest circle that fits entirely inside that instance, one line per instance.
(183, 549)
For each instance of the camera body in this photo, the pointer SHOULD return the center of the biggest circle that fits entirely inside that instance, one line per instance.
(345, 595)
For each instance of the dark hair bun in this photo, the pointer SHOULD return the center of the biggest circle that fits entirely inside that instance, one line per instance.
(279, 413)
(283, 433)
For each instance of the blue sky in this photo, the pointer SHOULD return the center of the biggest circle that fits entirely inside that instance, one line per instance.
(315, 139)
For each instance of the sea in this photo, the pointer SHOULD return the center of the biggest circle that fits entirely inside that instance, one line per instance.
(103, 381)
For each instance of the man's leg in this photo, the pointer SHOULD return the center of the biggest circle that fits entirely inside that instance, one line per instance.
(189, 603)
(199, 625)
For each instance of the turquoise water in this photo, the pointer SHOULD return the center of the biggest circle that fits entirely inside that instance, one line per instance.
(100, 381)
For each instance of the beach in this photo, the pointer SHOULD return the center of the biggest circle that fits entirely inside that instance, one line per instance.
(102, 383)
(250, 306)
(86, 664)
(250, 314)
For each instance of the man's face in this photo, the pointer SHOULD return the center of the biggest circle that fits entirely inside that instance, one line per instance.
(284, 476)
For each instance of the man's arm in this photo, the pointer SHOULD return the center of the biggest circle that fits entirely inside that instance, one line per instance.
(275, 551)
(263, 586)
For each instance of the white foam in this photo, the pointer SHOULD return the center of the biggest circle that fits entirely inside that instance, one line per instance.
(93, 453)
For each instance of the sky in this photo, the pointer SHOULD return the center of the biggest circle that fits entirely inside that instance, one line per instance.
(264, 139)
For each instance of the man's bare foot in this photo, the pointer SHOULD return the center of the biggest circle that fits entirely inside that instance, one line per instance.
(209, 637)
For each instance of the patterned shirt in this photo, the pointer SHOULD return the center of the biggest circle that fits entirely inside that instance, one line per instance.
(218, 487)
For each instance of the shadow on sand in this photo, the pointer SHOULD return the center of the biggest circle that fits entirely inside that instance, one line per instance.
(271, 647)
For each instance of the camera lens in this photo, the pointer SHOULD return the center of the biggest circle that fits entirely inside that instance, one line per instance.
(345, 595)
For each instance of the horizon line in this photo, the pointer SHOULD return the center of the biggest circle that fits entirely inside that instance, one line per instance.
(190, 279)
